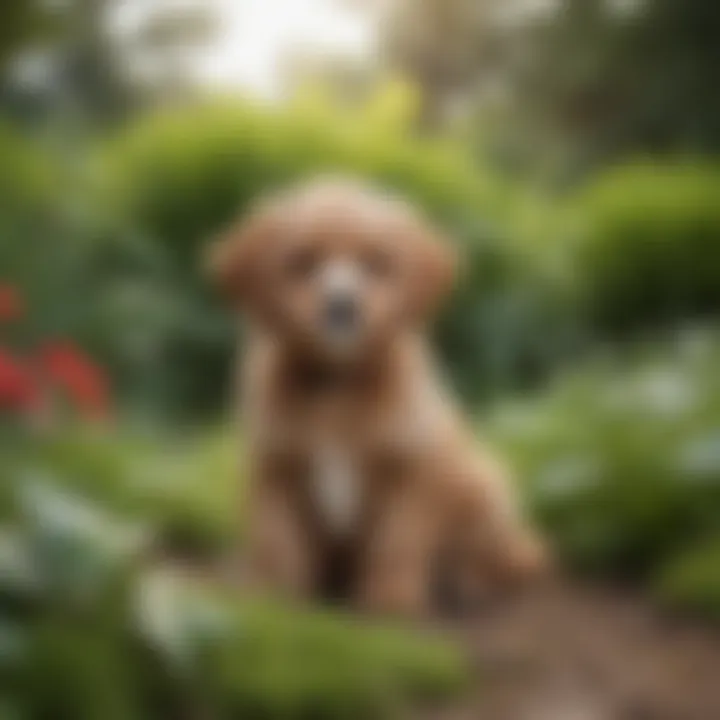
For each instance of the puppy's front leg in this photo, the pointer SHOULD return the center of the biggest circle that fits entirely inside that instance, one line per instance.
(280, 553)
(395, 569)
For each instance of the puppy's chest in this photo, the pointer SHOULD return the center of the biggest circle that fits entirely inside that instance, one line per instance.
(345, 453)
(339, 472)
(338, 485)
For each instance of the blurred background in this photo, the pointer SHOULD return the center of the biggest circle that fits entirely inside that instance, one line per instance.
(568, 146)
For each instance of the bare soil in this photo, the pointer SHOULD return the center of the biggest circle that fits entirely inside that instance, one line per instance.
(571, 652)
(567, 650)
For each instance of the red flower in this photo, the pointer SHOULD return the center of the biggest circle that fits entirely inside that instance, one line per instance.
(83, 381)
(18, 389)
(11, 303)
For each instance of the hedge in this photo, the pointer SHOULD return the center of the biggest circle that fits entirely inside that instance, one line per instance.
(178, 179)
(646, 246)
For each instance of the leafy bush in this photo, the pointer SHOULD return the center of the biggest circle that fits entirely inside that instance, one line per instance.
(179, 179)
(692, 580)
(306, 664)
(117, 238)
(89, 628)
(186, 489)
(53, 241)
(622, 465)
(647, 245)
(182, 177)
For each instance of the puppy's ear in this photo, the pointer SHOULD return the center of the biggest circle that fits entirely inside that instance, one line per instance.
(434, 265)
(233, 260)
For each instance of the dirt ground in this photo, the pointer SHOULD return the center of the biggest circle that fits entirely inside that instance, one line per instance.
(567, 650)
(571, 652)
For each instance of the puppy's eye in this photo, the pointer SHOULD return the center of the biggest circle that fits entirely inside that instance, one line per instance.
(301, 263)
(379, 264)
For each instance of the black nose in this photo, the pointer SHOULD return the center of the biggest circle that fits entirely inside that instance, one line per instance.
(341, 313)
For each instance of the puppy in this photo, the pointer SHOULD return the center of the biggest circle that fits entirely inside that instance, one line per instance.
(361, 472)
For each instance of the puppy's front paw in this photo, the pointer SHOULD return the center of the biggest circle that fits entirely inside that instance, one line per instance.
(392, 598)
(527, 558)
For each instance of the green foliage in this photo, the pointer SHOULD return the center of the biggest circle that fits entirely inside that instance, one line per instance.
(186, 489)
(320, 665)
(54, 239)
(637, 249)
(692, 580)
(118, 240)
(622, 467)
(91, 626)
(183, 177)
(26, 178)
(23, 23)
(177, 180)
(647, 250)
(607, 80)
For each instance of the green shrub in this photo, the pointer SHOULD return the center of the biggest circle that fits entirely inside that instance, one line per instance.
(27, 178)
(52, 235)
(692, 580)
(179, 179)
(621, 464)
(647, 245)
(28, 215)
(89, 630)
(187, 489)
(319, 665)
(117, 237)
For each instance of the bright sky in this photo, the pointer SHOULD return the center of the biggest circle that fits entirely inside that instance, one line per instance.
(255, 36)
